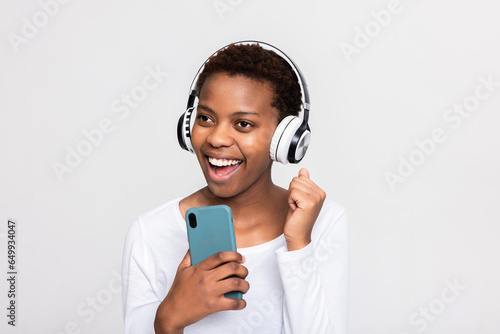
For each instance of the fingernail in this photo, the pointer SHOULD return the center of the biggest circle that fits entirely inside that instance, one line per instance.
(243, 258)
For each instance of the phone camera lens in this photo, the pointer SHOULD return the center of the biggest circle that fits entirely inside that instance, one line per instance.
(192, 220)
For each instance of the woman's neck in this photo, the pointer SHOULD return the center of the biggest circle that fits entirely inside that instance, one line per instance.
(259, 212)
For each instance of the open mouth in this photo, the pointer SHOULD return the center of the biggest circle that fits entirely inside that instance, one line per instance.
(223, 167)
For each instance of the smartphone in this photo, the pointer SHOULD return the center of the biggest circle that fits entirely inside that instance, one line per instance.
(210, 230)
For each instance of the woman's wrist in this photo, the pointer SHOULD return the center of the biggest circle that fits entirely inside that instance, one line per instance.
(163, 327)
(293, 245)
(164, 322)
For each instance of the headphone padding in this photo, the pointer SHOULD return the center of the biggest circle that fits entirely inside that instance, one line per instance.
(280, 143)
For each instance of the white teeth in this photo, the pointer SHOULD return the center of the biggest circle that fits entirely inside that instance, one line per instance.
(222, 162)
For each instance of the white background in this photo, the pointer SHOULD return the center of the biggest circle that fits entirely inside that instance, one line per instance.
(440, 225)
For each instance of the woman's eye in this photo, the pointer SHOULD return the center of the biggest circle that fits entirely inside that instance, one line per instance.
(204, 118)
(244, 124)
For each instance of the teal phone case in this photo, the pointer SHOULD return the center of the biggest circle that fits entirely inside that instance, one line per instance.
(214, 232)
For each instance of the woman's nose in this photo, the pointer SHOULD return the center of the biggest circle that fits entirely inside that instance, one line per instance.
(220, 136)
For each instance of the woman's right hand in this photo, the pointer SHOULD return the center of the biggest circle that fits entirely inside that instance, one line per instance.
(198, 291)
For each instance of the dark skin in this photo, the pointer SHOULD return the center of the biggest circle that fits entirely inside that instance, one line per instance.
(235, 122)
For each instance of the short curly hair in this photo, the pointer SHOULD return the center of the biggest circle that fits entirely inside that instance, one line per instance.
(255, 62)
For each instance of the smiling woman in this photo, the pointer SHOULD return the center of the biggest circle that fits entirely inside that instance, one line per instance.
(248, 102)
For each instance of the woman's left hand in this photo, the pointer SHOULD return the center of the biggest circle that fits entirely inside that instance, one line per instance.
(305, 199)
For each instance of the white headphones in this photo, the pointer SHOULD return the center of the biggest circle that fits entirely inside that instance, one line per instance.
(291, 138)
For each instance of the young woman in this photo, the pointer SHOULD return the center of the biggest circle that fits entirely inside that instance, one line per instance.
(292, 259)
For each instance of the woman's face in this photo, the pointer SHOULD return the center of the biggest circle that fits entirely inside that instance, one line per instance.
(232, 133)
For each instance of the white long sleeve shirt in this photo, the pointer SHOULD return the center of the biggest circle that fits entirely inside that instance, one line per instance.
(291, 292)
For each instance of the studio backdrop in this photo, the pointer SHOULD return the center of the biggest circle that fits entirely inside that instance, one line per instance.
(405, 110)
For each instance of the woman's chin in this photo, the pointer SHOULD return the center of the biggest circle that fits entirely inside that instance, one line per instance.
(223, 191)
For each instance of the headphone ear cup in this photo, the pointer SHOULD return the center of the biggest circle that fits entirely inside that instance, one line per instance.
(299, 144)
(185, 127)
(180, 132)
(282, 138)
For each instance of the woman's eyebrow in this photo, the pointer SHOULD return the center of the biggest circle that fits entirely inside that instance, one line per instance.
(246, 113)
(204, 107)
(237, 113)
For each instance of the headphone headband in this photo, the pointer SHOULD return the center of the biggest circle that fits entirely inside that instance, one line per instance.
(193, 91)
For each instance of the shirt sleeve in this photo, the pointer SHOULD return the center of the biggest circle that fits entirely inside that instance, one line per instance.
(139, 300)
(316, 279)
